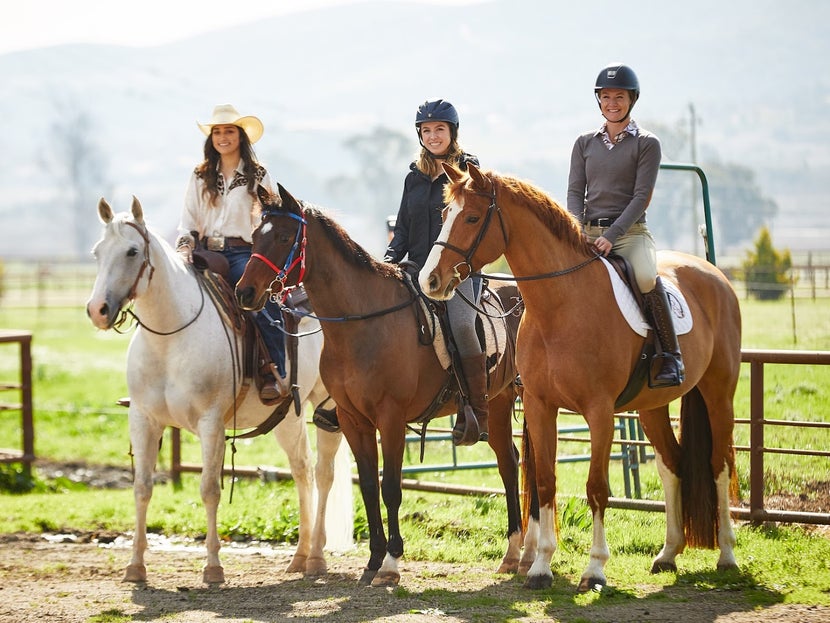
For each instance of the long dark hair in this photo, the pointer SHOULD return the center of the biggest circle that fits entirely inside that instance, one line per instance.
(208, 169)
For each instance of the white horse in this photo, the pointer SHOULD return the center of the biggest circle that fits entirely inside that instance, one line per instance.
(183, 365)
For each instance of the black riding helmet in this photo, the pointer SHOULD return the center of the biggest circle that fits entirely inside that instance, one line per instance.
(618, 76)
(437, 110)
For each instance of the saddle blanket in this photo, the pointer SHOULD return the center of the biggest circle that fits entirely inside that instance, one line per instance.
(681, 315)
(495, 330)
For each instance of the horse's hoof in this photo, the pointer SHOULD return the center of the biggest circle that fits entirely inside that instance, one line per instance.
(297, 564)
(213, 575)
(660, 567)
(587, 584)
(367, 577)
(386, 578)
(727, 566)
(508, 566)
(316, 566)
(135, 573)
(536, 582)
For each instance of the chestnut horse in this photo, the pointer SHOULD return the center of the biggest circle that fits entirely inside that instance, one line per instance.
(184, 370)
(575, 350)
(379, 368)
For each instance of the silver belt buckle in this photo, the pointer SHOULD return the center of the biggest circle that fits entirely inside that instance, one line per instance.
(216, 243)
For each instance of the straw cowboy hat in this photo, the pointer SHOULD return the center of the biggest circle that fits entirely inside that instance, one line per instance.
(225, 114)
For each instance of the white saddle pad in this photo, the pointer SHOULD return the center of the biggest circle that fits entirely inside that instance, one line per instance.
(680, 313)
(495, 331)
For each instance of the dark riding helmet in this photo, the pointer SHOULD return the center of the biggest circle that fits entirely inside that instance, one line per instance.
(437, 110)
(618, 76)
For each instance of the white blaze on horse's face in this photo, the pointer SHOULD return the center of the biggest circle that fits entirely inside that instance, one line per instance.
(430, 283)
(266, 227)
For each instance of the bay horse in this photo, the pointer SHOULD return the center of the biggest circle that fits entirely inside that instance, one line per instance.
(375, 363)
(183, 371)
(576, 351)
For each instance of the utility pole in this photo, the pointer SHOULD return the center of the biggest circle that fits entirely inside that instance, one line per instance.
(693, 145)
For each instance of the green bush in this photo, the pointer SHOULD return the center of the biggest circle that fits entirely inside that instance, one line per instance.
(766, 269)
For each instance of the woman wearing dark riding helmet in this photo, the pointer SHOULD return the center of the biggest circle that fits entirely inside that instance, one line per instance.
(612, 177)
(417, 226)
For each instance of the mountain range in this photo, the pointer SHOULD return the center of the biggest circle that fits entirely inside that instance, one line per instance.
(520, 72)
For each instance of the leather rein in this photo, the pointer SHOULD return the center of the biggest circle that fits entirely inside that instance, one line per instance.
(488, 219)
(126, 312)
(291, 263)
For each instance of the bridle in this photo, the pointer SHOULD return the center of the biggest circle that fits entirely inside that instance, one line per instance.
(488, 218)
(294, 259)
(142, 231)
(468, 255)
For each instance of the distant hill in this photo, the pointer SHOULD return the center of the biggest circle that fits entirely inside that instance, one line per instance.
(520, 72)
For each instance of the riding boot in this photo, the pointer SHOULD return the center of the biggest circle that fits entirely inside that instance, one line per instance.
(474, 370)
(671, 371)
(274, 387)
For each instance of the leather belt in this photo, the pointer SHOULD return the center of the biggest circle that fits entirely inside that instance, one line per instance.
(220, 243)
(601, 222)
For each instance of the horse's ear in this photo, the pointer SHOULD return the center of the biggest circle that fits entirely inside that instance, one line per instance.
(266, 197)
(104, 211)
(453, 173)
(288, 201)
(478, 178)
(138, 212)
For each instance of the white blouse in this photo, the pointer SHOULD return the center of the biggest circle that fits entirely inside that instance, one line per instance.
(232, 217)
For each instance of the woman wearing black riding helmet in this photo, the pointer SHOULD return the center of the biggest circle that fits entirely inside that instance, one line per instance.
(612, 177)
(417, 226)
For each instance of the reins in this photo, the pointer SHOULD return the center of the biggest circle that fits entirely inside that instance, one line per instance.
(468, 255)
(125, 313)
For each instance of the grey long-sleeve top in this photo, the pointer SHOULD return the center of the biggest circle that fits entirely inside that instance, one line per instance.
(613, 183)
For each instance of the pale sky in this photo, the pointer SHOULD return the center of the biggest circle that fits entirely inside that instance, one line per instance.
(29, 24)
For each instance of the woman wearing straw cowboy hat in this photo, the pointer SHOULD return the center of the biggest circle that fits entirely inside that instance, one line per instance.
(218, 215)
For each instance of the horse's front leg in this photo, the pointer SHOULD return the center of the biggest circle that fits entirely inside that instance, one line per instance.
(292, 435)
(507, 459)
(392, 443)
(601, 425)
(145, 438)
(212, 435)
(541, 425)
(364, 447)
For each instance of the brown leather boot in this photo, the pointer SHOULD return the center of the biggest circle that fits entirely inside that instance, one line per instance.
(475, 373)
(274, 387)
(672, 371)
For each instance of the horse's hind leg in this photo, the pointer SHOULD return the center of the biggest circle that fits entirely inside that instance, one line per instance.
(144, 438)
(657, 427)
(507, 458)
(213, 453)
(292, 435)
(332, 458)
(392, 442)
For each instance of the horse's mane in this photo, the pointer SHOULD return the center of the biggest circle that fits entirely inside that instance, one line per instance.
(552, 216)
(351, 251)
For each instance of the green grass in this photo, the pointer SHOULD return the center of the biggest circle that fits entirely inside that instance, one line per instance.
(79, 374)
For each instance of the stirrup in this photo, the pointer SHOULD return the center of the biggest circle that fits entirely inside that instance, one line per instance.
(467, 433)
(671, 369)
(326, 419)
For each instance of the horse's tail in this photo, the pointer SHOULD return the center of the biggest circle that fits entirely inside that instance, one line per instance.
(340, 507)
(697, 481)
(530, 501)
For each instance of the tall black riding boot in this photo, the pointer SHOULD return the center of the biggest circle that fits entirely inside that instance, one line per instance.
(672, 371)
(474, 370)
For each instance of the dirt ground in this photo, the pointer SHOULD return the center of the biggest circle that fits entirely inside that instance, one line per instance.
(71, 579)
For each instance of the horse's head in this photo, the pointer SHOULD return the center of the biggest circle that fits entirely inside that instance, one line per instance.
(467, 241)
(278, 253)
(122, 255)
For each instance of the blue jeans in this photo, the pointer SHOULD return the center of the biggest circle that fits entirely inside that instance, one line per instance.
(273, 337)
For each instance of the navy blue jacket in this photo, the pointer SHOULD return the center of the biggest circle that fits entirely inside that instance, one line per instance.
(419, 217)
